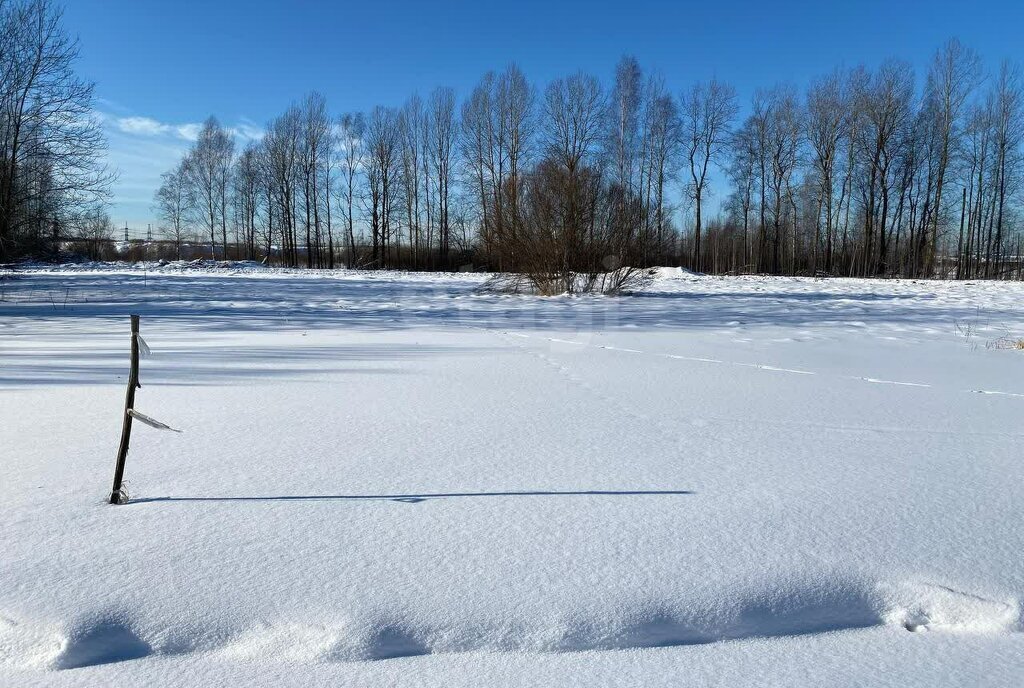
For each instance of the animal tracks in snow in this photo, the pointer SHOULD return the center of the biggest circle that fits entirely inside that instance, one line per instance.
(876, 381)
(1004, 394)
(756, 366)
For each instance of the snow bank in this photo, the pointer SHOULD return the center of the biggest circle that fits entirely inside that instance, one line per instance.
(667, 273)
(792, 609)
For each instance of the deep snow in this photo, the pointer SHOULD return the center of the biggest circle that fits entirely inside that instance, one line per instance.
(741, 481)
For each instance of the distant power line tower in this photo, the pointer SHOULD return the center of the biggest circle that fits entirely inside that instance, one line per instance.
(126, 232)
(149, 232)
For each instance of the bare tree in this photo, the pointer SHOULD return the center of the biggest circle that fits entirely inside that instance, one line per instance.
(659, 148)
(563, 208)
(478, 146)
(247, 195)
(743, 173)
(209, 168)
(52, 170)
(443, 134)
(314, 152)
(515, 106)
(282, 160)
(382, 173)
(96, 232)
(785, 127)
(708, 111)
(885, 104)
(171, 203)
(1007, 105)
(954, 74)
(410, 128)
(496, 136)
(623, 136)
(351, 132)
(828, 120)
(623, 141)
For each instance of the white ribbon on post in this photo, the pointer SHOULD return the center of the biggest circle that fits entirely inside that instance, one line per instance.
(143, 346)
(151, 422)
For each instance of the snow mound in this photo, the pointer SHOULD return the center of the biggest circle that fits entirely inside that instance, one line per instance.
(102, 640)
(926, 606)
(667, 273)
(786, 610)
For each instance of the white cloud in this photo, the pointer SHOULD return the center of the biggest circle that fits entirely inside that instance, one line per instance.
(143, 126)
(246, 129)
(189, 132)
(141, 148)
(147, 126)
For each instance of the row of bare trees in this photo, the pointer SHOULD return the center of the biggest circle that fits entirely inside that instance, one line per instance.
(53, 180)
(867, 176)
(862, 174)
(317, 191)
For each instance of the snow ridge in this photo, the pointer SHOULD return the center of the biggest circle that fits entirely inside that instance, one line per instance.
(787, 610)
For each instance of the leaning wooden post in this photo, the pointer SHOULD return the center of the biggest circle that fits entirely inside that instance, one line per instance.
(116, 495)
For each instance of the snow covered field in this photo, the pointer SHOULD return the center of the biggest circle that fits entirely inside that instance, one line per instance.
(390, 479)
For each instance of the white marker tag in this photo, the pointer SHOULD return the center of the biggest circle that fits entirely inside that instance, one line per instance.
(151, 422)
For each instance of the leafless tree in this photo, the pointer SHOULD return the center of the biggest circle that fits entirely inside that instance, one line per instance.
(314, 153)
(784, 134)
(743, 173)
(171, 204)
(443, 133)
(283, 155)
(708, 111)
(247, 195)
(496, 137)
(351, 133)
(477, 148)
(658, 152)
(560, 234)
(515, 112)
(954, 74)
(623, 142)
(52, 170)
(1007, 106)
(623, 137)
(208, 166)
(885, 104)
(382, 174)
(828, 127)
(411, 128)
(96, 232)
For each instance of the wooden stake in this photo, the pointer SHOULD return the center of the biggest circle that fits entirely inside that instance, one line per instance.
(116, 497)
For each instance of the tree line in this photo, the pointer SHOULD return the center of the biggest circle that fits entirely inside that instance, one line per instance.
(864, 173)
(866, 176)
(53, 179)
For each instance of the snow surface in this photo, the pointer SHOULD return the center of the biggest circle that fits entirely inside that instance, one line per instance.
(395, 479)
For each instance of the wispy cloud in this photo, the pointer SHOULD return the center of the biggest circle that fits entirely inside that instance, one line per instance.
(147, 126)
(245, 129)
(142, 148)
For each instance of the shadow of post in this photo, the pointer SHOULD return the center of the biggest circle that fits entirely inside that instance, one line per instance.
(415, 498)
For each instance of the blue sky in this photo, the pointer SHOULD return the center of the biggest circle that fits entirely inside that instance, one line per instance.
(162, 67)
